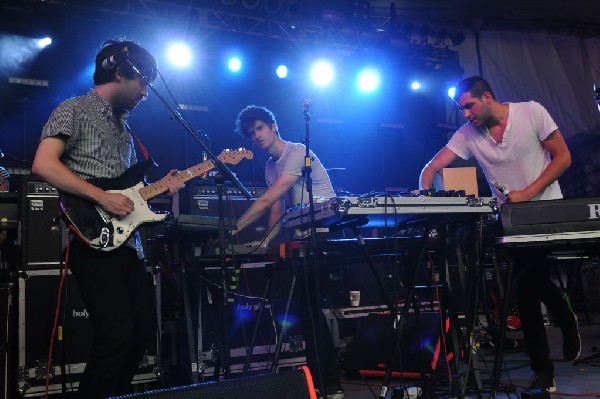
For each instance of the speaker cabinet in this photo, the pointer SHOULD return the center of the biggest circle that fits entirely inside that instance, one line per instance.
(370, 351)
(294, 384)
(41, 238)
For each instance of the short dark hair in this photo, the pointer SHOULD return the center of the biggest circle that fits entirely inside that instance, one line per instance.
(249, 115)
(475, 85)
(136, 54)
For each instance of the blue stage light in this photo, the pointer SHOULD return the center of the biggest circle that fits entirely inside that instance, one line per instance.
(179, 55)
(452, 92)
(46, 41)
(282, 71)
(369, 80)
(322, 73)
(235, 64)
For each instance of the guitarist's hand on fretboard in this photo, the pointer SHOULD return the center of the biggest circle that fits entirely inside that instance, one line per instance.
(173, 183)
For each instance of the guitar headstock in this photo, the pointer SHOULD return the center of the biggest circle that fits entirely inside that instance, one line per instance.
(233, 157)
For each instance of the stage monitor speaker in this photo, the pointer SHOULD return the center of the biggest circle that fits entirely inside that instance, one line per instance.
(369, 353)
(41, 226)
(294, 384)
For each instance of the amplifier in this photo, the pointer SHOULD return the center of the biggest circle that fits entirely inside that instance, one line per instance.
(41, 225)
(205, 202)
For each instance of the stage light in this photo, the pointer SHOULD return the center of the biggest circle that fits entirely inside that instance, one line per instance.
(235, 64)
(179, 55)
(415, 85)
(452, 92)
(45, 42)
(458, 38)
(294, 8)
(322, 73)
(273, 6)
(424, 31)
(16, 52)
(368, 81)
(250, 4)
(282, 71)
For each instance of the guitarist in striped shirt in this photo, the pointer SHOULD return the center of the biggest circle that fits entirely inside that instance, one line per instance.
(85, 138)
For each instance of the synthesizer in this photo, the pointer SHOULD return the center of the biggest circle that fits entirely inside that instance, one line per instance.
(571, 220)
(386, 209)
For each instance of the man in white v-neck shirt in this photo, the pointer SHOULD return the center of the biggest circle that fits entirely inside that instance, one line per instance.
(522, 154)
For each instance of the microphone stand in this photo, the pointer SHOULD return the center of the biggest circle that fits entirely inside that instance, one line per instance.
(315, 324)
(225, 174)
(313, 305)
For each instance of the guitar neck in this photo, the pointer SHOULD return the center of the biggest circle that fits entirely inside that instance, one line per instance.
(152, 190)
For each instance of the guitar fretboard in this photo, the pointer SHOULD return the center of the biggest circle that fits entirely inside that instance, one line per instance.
(231, 157)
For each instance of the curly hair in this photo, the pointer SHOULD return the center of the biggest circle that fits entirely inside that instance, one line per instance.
(249, 115)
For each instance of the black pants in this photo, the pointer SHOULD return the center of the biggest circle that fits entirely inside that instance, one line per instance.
(118, 296)
(533, 270)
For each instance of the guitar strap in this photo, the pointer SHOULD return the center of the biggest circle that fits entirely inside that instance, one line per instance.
(139, 143)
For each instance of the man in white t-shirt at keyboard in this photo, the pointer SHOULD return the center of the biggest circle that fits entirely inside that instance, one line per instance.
(522, 154)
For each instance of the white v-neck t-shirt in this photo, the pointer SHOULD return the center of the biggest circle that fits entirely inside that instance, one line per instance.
(520, 158)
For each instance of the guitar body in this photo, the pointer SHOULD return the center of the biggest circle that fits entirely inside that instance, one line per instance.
(100, 229)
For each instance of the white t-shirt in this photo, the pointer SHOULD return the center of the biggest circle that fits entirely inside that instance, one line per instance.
(520, 158)
(291, 162)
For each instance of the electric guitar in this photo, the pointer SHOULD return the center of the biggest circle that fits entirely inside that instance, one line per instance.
(104, 231)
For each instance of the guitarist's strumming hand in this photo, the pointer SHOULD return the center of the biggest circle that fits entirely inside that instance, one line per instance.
(116, 204)
(121, 205)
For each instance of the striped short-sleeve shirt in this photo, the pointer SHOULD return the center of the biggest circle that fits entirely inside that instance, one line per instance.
(96, 147)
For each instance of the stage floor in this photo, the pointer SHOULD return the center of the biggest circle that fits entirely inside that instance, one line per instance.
(582, 380)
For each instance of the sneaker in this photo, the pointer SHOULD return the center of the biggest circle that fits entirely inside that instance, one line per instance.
(571, 342)
(513, 322)
(543, 381)
(334, 392)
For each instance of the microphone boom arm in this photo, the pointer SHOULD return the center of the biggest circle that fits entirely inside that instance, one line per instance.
(220, 166)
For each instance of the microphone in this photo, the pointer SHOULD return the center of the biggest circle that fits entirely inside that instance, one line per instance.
(502, 188)
(305, 110)
(115, 59)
